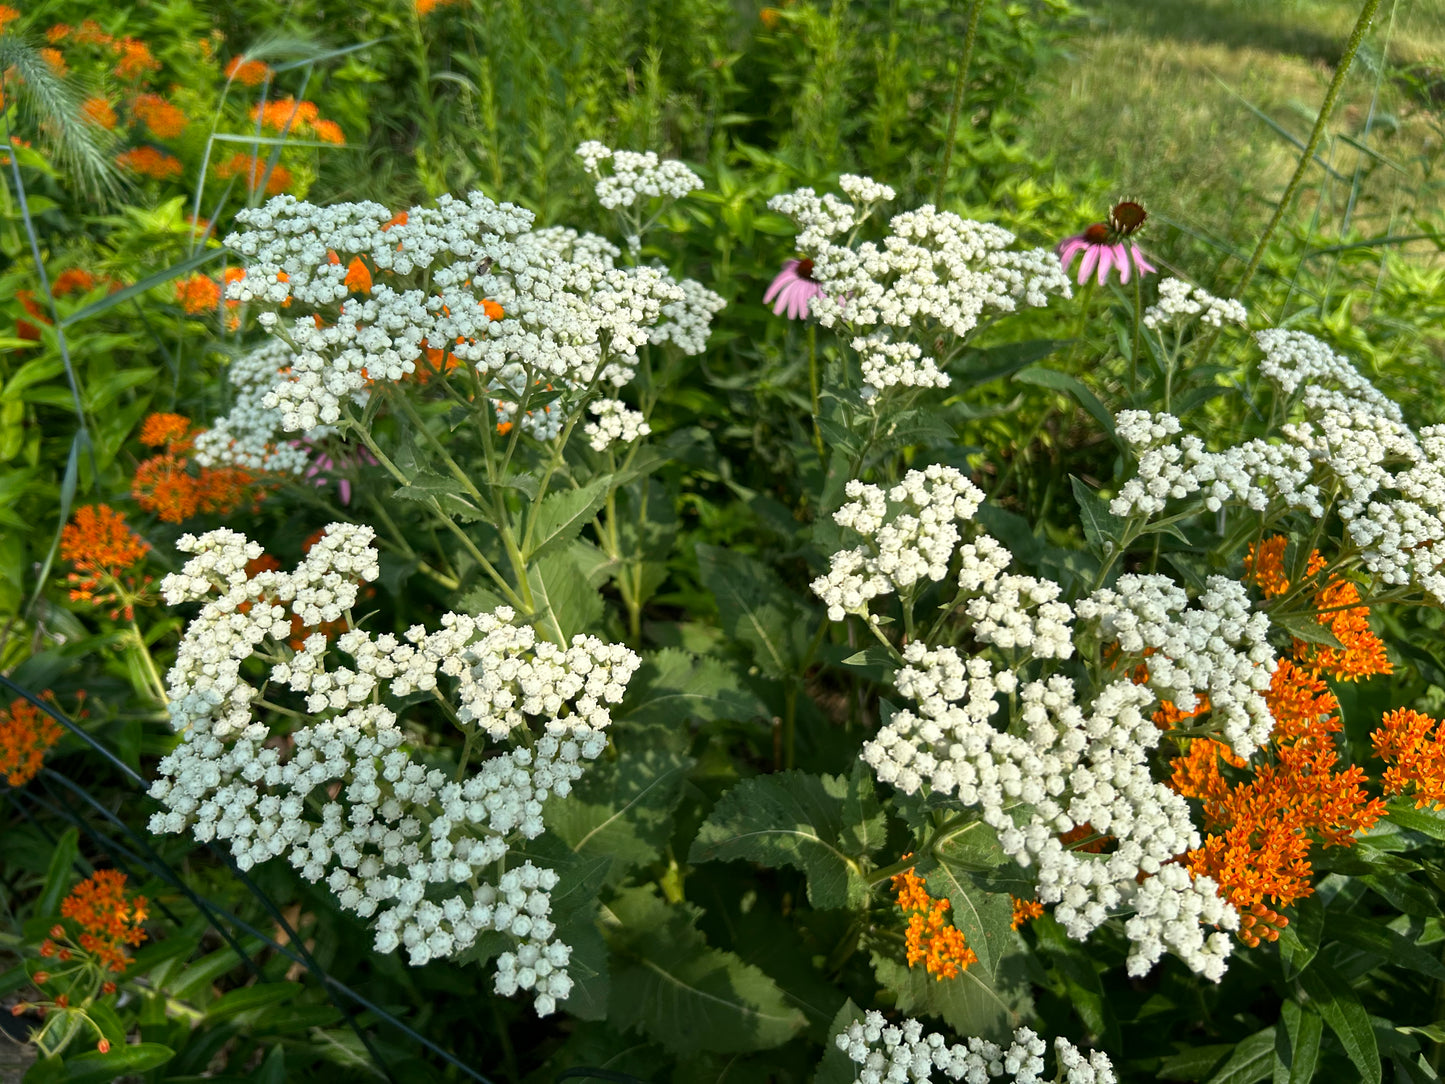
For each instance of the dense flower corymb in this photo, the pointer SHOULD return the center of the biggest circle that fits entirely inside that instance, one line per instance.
(26, 733)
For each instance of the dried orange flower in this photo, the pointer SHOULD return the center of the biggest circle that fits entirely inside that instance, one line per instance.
(164, 119)
(149, 162)
(99, 112)
(1025, 911)
(930, 937)
(249, 73)
(108, 920)
(1414, 750)
(26, 733)
(198, 295)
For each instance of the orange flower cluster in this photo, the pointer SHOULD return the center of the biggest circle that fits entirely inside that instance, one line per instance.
(426, 7)
(1413, 748)
(73, 280)
(198, 295)
(133, 58)
(1262, 828)
(1080, 838)
(1361, 653)
(930, 937)
(164, 120)
(26, 733)
(163, 484)
(103, 549)
(107, 919)
(7, 16)
(1025, 911)
(253, 168)
(100, 113)
(250, 73)
(290, 115)
(149, 162)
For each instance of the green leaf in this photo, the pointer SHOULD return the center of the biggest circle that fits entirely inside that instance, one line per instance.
(561, 516)
(1404, 893)
(150, 282)
(59, 873)
(247, 998)
(1306, 627)
(1372, 937)
(448, 493)
(622, 809)
(836, 1067)
(673, 685)
(669, 984)
(120, 1061)
(1252, 1060)
(1195, 1063)
(1100, 525)
(757, 608)
(564, 587)
(1334, 999)
(1402, 811)
(1297, 1044)
(821, 825)
(968, 1003)
(1080, 979)
(1052, 378)
(1300, 940)
(981, 366)
(200, 975)
(984, 918)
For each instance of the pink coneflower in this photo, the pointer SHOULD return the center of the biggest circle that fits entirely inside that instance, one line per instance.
(1104, 248)
(323, 467)
(794, 288)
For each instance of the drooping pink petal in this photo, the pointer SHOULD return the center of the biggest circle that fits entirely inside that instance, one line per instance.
(344, 485)
(788, 274)
(1086, 265)
(1144, 266)
(1121, 259)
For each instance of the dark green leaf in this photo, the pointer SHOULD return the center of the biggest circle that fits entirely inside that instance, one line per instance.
(561, 516)
(448, 493)
(59, 874)
(757, 608)
(1100, 524)
(673, 685)
(1300, 940)
(1251, 1061)
(981, 366)
(984, 918)
(1371, 936)
(836, 1067)
(564, 588)
(968, 1003)
(1052, 378)
(1297, 1044)
(120, 1061)
(1333, 998)
(247, 998)
(1403, 812)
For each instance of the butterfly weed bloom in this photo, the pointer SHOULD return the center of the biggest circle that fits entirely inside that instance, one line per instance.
(930, 938)
(905, 1052)
(247, 72)
(930, 279)
(1024, 911)
(106, 554)
(1105, 246)
(162, 118)
(1413, 749)
(26, 735)
(165, 485)
(109, 920)
(198, 294)
(146, 161)
(425, 854)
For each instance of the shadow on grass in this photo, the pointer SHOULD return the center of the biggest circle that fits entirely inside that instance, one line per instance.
(1243, 24)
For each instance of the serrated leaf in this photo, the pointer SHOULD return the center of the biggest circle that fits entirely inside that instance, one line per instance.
(621, 809)
(757, 608)
(1334, 999)
(673, 685)
(984, 918)
(1251, 1061)
(1297, 1044)
(561, 516)
(448, 494)
(799, 820)
(968, 1003)
(669, 984)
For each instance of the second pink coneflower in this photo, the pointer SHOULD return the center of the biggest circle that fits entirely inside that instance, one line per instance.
(794, 289)
(1104, 247)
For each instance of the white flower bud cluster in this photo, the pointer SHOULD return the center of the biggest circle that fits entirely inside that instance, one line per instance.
(1067, 768)
(395, 840)
(934, 274)
(616, 424)
(249, 434)
(906, 1054)
(888, 364)
(569, 316)
(910, 534)
(1002, 617)
(635, 175)
(1219, 648)
(1179, 303)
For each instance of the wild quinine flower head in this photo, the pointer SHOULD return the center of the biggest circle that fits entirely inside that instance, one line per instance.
(1105, 247)
(419, 852)
(930, 279)
(906, 1054)
(909, 535)
(635, 175)
(616, 424)
(359, 295)
(1179, 303)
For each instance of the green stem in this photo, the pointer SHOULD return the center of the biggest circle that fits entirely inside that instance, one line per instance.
(813, 389)
(956, 104)
(148, 661)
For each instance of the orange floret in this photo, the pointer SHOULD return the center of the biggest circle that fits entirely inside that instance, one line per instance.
(1025, 911)
(1410, 743)
(1361, 653)
(134, 58)
(930, 937)
(7, 16)
(55, 59)
(108, 920)
(198, 294)
(99, 112)
(254, 169)
(97, 540)
(170, 429)
(492, 309)
(73, 280)
(149, 162)
(1265, 565)
(26, 733)
(247, 72)
(164, 119)
(358, 276)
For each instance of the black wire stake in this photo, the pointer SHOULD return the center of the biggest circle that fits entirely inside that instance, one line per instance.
(166, 872)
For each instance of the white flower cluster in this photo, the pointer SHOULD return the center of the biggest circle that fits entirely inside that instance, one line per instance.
(616, 424)
(1348, 444)
(1218, 648)
(888, 364)
(249, 434)
(905, 1054)
(466, 278)
(338, 796)
(1179, 302)
(910, 534)
(1069, 767)
(1002, 616)
(636, 175)
(932, 276)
